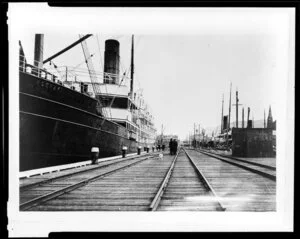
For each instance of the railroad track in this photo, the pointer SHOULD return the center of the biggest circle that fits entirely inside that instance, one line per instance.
(33, 194)
(133, 189)
(27, 183)
(190, 181)
(260, 169)
(240, 160)
(185, 188)
(238, 188)
(124, 190)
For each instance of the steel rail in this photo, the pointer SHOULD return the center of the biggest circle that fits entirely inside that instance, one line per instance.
(261, 173)
(28, 186)
(241, 160)
(206, 183)
(155, 202)
(52, 195)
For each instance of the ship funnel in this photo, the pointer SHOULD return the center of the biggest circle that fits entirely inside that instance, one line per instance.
(111, 62)
(38, 50)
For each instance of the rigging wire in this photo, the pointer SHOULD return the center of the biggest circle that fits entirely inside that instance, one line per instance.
(98, 44)
(102, 66)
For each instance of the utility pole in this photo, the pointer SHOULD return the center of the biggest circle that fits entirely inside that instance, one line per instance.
(237, 108)
(222, 114)
(243, 118)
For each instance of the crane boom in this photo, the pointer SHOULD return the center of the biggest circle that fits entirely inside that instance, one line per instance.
(67, 48)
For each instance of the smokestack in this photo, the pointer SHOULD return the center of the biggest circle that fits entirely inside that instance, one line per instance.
(111, 61)
(250, 126)
(38, 50)
(243, 118)
(225, 122)
(248, 118)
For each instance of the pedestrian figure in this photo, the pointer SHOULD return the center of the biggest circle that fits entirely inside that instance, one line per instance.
(171, 146)
(159, 147)
(175, 145)
(163, 147)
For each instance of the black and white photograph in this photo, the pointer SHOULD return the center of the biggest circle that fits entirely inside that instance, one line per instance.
(150, 119)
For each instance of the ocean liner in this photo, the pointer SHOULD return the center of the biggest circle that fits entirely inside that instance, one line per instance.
(63, 116)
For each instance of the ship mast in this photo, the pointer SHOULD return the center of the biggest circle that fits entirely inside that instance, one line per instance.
(264, 119)
(132, 66)
(222, 114)
(228, 116)
(229, 108)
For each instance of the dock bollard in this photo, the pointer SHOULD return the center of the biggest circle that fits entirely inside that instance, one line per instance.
(139, 150)
(94, 154)
(124, 149)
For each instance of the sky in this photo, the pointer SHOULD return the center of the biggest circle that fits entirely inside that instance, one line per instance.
(184, 75)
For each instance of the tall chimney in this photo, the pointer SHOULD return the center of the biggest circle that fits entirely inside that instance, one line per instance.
(248, 126)
(112, 61)
(243, 118)
(38, 50)
(237, 108)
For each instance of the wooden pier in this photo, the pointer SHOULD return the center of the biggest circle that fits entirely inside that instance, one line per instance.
(188, 181)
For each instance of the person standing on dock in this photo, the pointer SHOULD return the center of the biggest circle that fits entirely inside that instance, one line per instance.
(175, 145)
(171, 146)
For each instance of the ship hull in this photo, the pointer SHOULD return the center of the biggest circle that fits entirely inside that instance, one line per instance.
(59, 126)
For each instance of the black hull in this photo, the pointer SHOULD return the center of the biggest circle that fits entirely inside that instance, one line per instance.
(60, 126)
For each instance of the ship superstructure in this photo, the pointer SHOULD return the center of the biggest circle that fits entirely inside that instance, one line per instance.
(63, 115)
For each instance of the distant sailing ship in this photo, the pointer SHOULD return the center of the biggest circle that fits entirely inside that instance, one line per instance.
(62, 117)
